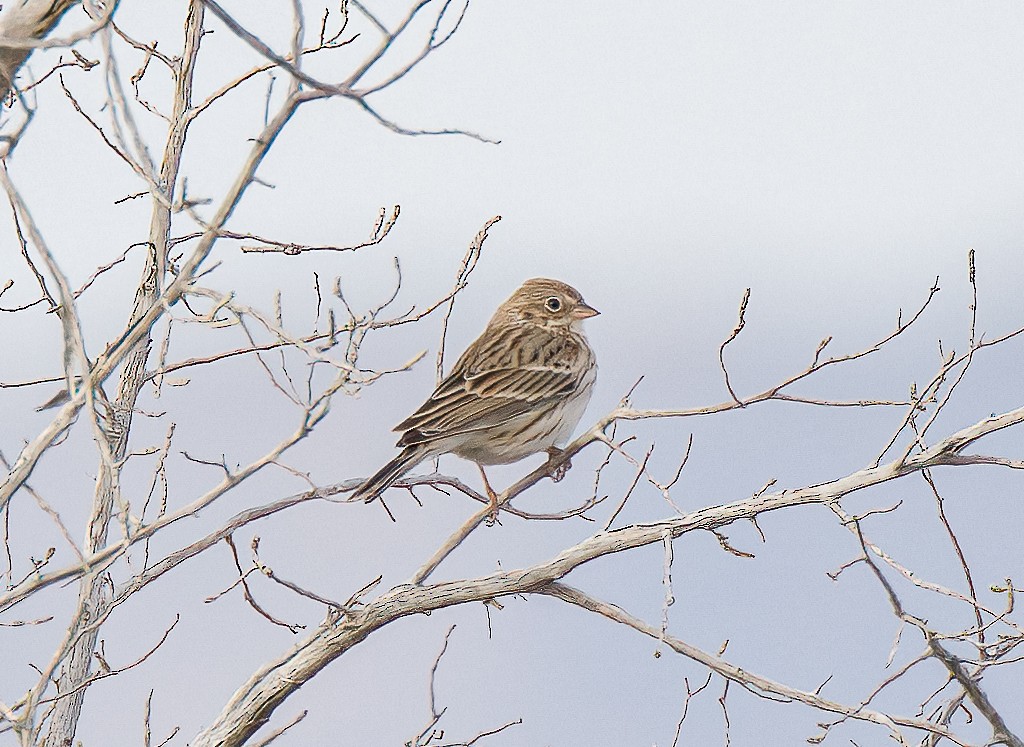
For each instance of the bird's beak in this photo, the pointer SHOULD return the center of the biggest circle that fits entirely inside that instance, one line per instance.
(583, 311)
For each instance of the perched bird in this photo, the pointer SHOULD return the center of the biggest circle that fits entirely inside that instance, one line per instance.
(520, 388)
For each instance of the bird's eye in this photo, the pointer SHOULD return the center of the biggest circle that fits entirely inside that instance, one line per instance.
(553, 304)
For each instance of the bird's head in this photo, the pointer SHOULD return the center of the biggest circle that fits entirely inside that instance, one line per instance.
(547, 303)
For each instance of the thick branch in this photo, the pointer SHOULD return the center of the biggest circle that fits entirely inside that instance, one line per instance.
(94, 597)
(253, 704)
(1001, 734)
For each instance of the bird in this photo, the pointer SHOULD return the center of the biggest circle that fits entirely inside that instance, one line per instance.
(520, 388)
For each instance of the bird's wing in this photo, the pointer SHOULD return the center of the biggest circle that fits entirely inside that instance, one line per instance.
(497, 379)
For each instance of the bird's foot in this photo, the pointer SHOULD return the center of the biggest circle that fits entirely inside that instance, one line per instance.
(492, 517)
(557, 472)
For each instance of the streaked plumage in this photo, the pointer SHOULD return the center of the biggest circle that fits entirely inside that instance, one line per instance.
(520, 388)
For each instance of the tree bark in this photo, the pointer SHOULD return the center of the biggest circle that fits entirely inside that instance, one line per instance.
(94, 594)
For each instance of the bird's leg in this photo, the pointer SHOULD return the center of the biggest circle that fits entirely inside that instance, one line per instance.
(557, 472)
(491, 495)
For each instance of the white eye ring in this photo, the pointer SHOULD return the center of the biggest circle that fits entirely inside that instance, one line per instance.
(553, 304)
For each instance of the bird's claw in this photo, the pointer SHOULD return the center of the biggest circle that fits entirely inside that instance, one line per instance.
(492, 517)
(557, 472)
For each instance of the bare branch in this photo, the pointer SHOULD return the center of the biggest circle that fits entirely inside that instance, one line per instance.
(740, 324)
(380, 231)
(754, 683)
(466, 267)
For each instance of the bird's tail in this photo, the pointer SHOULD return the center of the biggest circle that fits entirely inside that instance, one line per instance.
(408, 458)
